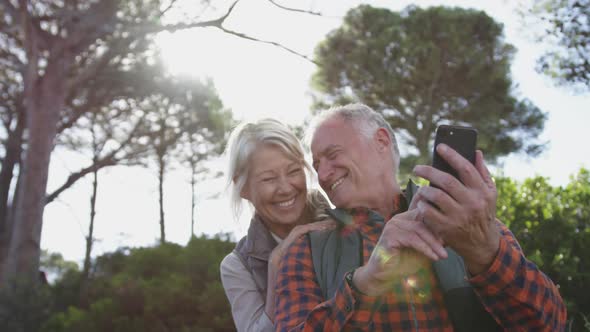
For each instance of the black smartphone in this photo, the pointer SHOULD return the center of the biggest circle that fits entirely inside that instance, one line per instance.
(461, 139)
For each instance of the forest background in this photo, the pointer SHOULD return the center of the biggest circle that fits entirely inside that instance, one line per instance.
(114, 114)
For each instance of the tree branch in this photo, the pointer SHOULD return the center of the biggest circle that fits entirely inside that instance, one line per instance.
(11, 10)
(107, 161)
(90, 71)
(295, 9)
(244, 36)
(146, 29)
(231, 8)
(170, 5)
(217, 23)
(11, 61)
(83, 30)
(22, 17)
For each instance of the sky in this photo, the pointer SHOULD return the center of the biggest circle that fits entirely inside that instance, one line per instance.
(257, 80)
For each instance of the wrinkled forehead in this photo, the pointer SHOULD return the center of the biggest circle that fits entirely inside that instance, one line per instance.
(333, 131)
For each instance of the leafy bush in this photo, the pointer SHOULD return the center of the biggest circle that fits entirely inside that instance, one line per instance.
(552, 225)
(163, 288)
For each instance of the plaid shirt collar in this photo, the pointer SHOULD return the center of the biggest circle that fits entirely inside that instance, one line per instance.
(351, 219)
(364, 214)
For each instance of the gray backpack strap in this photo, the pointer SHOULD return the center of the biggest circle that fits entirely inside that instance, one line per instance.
(451, 271)
(410, 190)
(334, 254)
(464, 306)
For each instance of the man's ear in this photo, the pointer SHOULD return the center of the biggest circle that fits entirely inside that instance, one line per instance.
(382, 139)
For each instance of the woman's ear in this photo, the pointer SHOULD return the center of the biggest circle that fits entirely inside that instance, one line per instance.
(245, 192)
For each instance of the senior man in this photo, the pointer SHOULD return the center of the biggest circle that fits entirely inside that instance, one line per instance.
(453, 267)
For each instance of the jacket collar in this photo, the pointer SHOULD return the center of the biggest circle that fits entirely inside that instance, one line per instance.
(260, 242)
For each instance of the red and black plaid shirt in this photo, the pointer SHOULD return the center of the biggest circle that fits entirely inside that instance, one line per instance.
(519, 296)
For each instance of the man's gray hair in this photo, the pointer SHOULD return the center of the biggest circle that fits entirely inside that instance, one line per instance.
(362, 117)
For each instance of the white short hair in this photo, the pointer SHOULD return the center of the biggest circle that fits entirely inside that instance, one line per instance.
(363, 118)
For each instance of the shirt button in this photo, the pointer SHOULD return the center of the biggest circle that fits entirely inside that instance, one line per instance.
(347, 308)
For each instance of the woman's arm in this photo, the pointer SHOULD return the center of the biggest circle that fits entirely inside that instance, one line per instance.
(247, 304)
(278, 254)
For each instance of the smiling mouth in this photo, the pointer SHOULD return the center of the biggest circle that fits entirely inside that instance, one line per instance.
(337, 183)
(287, 203)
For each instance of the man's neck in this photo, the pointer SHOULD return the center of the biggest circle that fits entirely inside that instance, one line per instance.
(384, 204)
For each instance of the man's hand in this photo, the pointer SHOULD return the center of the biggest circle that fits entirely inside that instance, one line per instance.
(466, 214)
(405, 246)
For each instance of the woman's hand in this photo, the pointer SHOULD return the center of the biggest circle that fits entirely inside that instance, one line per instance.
(277, 255)
(279, 251)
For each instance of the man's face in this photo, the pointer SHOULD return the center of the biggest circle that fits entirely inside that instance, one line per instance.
(347, 163)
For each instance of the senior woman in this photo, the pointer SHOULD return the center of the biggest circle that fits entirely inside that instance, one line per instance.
(266, 168)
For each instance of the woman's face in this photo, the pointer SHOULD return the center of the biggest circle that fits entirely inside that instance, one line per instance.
(276, 187)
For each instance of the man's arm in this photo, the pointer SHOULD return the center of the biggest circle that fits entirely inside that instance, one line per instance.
(517, 293)
(300, 303)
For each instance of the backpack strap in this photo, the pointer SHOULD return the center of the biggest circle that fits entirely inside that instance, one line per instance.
(464, 306)
(334, 254)
(410, 190)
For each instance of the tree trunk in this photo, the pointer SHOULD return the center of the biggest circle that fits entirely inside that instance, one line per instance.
(161, 166)
(11, 159)
(193, 198)
(43, 104)
(90, 236)
(44, 98)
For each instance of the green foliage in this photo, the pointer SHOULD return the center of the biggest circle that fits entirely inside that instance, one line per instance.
(424, 67)
(552, 225)
(566, 27)
(55, 265)
(163, 288)
(24, 306)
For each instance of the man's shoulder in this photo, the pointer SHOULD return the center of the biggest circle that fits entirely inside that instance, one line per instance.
(301, 244)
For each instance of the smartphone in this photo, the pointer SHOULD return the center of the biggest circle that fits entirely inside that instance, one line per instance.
(461, 139)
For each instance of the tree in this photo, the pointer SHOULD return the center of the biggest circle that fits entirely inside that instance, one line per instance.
(553, 228)
(424, 67)
(182, 116)
(565, 27)
(114, 105)
(54, 50)
(130, 131)
(197, 147)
